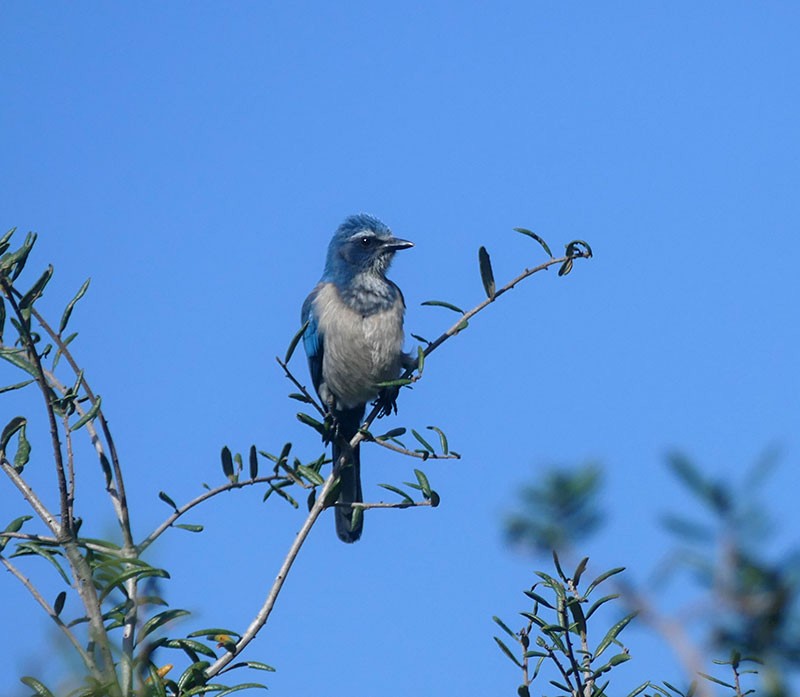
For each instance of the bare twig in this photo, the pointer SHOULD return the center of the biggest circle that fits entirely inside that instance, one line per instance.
(263, 614)
(228, 486)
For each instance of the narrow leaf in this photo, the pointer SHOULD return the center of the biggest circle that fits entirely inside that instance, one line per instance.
(612, 634)
(159, 620)
(190, 527)
(487, 275)
(507, 652)
(442, 438)
(422, 441)
(576, 577)
(311, 421)
(36, 290)
(227, 462)
(166, 499)
(11, 428)
(504, 627)
(253, 462)
(536, 237)
(18, 386)
(393, 433)
(296, 340)
(23, 451)
(58, 605)
(88, 416)
(442, 303)
(70, 306)
(36, 686)
(602, 577)
(424, 485)
(17, 357)
(397, 491)
(565, 268)
(420, 359)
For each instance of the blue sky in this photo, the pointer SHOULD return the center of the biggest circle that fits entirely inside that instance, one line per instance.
(194, 158)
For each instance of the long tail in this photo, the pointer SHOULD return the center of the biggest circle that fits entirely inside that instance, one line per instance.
(350, 477)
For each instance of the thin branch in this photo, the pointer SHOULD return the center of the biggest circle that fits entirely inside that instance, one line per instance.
(30, 496)
(53, 542)
(413, 453)
(81, 571)
(263, 614)
(399, 504)
(122, 508)
(301, 387)
(178, 512)
(37, 596)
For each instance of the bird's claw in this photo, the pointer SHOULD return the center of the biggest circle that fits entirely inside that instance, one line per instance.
(387, 401)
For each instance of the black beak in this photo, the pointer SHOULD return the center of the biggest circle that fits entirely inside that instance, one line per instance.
(395, 243)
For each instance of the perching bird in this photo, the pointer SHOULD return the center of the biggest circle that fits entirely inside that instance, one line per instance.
(354, 339)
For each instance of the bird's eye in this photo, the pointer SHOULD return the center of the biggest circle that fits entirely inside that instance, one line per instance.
(365, 241)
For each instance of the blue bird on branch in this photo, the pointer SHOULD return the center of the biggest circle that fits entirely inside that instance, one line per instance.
(354, 341)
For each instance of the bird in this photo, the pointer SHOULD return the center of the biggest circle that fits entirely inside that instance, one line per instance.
(354, 340)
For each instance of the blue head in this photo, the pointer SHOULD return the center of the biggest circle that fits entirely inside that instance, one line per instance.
(361, 245)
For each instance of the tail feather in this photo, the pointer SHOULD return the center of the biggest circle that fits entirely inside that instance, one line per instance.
(349, 477)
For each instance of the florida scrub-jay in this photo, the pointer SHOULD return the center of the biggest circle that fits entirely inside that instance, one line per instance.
(354, 340)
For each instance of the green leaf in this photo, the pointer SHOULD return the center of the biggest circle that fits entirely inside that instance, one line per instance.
(312, 475)
(612, 634)
(424, 485)
(296, 340)
(190, 646)
(399, 382)
(600, 602)
(5, 240)
(14, 262)
(576, 577)
(11, 428)
(615, 661)
(2, 317)
(523, 691)
(88, 416)
(507, 652)
(253, 462)
(137, 573)
(536, 237)
(565, 268)
(422, 441)
(16, 357)
(539, 599)
(602, 577)
(442, 303)
(716, 680)
(18, 386)
(70, 306)
(639, 689)
(574, 248)
(300, 398)
(397, 491)
(420, 359)
(255, 665)
(159, 620)
(244, 686)
(166, 499)
(14, 526)
(36, 686)
(560, 571)
(420, 338)
(35, 548)
(504, 627)
(435, 499)
(442, 438)
(213, 633)
(227, 462)
(311, 421)
(23, 451)
(58, 605)
(189, 527)
(393, 433)
(487, 275)
(36, 290)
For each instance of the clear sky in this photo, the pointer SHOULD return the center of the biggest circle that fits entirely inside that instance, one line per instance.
(193, 158)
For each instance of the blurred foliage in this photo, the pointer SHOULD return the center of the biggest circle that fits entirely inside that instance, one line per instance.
(556, 512)
(751, 593)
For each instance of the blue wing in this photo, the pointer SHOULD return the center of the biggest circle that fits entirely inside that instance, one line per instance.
(313, 340)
